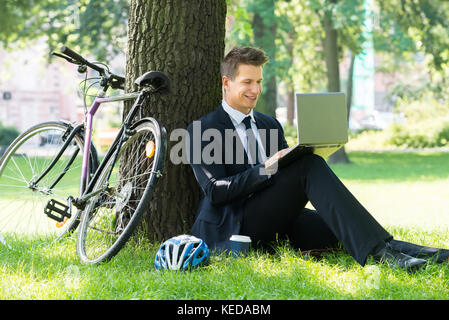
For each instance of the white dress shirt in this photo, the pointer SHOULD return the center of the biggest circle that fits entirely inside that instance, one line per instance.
(237, 119)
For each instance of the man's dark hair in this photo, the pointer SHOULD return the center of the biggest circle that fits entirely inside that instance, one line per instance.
(241, 55)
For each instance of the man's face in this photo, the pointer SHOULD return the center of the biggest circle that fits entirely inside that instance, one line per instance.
(242, 92)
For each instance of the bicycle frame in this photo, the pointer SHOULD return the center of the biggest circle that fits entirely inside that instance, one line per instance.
(86, 185)
(88, 121)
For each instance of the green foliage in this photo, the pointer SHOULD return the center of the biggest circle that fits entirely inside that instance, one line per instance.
(291, 134)
(95, 26)
(7, 134)
(300, 60)
(401, 29)
(396, 40)
(426, 126)
(239, 30)
(410, 26)
(423, 136)
(13, 17)
(368, 140)
(425, 21)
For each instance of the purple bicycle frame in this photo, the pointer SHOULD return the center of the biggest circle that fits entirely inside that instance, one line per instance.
(99, 99)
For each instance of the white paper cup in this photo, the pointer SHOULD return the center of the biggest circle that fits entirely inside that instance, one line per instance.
(239, 245)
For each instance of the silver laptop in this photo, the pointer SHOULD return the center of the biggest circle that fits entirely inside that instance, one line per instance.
(322, 121)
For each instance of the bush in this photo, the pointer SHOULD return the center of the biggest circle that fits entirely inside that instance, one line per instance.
(424, 136)
(427, 125)
(7, 135)
(369, 140)
(291, 134)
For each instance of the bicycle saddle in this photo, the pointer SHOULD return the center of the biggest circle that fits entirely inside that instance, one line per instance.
(156, 79)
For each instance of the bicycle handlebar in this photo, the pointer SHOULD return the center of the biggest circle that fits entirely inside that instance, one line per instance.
(115, 81)
(72, 54)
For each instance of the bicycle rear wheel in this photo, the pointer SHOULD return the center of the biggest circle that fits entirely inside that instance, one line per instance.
(22, 200)
(122, 193)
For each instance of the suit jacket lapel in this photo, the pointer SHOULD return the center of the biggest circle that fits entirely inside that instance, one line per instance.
(264, 133)
(224, 119)
(226, 123)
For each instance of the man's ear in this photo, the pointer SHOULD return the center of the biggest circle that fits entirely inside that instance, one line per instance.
(225, 84)
(225, 81)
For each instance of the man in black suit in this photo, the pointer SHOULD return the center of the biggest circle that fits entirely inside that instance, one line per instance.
(228, 150)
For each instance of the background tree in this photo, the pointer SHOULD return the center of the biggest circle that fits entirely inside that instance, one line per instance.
(407, 28)
(341, 22)
(255, 24)
(89, 26)
(186, 41)
(265, 25)
(310, 37)
(300, 60)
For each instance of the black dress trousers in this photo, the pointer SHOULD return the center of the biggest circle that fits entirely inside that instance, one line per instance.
(279, 210)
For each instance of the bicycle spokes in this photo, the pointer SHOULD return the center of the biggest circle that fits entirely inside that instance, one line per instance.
(110, 217)
(38, 172)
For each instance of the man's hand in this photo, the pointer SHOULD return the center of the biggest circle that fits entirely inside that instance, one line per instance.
(272, 160)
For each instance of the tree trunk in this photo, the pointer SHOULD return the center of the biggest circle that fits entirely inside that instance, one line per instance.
(340, 156)
(185, 40)
(265, 28)
(289, 44)
(330, 44)
(290, 106)
(350, 85)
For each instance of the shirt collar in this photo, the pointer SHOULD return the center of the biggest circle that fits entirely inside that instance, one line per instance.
(236, 115)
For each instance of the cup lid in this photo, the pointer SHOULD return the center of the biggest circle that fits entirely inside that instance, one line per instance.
(238, 237)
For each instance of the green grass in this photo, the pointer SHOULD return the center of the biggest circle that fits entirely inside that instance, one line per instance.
(400, 190)
(13, 180)
(395, 167)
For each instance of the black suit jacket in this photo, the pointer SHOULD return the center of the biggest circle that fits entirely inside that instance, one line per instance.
(227, 182)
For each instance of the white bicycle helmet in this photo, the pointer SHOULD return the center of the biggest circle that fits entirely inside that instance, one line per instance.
(181, 253)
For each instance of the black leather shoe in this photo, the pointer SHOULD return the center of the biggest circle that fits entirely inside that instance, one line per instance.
(438, 255)
(397, 259)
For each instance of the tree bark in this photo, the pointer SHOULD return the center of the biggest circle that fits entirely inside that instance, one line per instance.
(290, 106)
(185, 40)
(330, 44)
(341, 156)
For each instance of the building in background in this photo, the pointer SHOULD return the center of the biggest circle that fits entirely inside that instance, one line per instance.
(33, 91)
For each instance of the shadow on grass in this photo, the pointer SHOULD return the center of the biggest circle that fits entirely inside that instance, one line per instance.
(394, 166)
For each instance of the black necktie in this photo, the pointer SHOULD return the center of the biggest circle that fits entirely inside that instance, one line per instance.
(252, 147)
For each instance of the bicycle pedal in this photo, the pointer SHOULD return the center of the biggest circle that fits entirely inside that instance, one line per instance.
(57, 210)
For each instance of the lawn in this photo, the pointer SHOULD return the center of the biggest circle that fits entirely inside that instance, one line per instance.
(407, 192)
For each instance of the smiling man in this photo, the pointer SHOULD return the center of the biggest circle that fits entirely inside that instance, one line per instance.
(243, 88)
(239, 197)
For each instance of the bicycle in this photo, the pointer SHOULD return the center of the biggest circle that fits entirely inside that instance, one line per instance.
(42, 193)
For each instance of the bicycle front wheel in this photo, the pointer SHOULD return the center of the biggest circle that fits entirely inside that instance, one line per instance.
(121, 193)
(24, 196)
